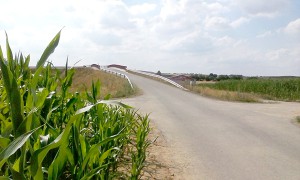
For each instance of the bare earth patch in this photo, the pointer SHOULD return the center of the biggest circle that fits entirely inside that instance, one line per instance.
(166, 162)
(159, 164)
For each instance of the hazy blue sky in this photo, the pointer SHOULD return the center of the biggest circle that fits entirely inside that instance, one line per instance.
(249, 37)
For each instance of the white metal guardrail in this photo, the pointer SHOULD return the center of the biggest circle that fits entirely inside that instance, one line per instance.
(160, 77)
(117, 74)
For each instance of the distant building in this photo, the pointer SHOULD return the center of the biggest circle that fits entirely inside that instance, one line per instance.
(95, 66)
(168, 75)
(181, 77)
(117, 66)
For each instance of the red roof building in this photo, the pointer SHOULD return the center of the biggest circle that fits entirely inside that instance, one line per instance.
(95, 66)
(181, 77)
(117, 66)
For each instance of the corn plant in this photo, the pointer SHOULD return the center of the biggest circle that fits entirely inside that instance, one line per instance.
(141, 145)
(287, 89)
(46, 132)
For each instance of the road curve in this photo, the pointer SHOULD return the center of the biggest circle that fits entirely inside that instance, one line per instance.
(214, 139)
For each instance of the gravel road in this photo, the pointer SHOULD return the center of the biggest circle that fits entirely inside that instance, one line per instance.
(212, 139)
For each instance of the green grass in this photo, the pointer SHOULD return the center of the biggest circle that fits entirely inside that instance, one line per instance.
(284, 89)
(49, 132)
(298, 119)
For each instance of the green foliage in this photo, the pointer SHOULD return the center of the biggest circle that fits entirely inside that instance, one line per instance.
(298, 119)
(46, 132)
(158, 73)
(215, 77)
(49, 50)
(287, 89)
(139, 156)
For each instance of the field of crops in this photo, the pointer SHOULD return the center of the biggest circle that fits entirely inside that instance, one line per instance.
(48, 132)
(285, 89)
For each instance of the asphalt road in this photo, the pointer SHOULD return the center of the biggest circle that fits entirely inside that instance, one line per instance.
(213, 139)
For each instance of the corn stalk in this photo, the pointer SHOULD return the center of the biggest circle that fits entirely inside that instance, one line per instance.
(46, 132)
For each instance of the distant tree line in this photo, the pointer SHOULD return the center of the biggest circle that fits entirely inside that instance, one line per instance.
(215, 77)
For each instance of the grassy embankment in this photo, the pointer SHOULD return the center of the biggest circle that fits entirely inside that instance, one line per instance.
(48, 132)
(252, 90)
(110, 84)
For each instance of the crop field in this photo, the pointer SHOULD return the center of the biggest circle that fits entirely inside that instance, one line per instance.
(284, 89)
(49, 132)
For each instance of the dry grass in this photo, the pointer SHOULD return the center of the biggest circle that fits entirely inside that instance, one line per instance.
(225, 95)
(110, 84)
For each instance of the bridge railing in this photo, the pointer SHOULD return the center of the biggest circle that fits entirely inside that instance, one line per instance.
(103, 68)
(160, 77)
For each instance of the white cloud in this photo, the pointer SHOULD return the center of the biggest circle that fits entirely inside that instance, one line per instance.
(277, 54)
(116, 16)
(265, 34)
(189, 43)
(224, 41)
(284, 58)
(142, 8)
(293, 27)
(171, 8)
(216, 8)
(105, 39)
(176, 18)
(239, 22)
(284, 55)
(176, 35)
(216, 23)
(262, 8)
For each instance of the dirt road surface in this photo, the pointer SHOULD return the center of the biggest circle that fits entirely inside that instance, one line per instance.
(211, 139)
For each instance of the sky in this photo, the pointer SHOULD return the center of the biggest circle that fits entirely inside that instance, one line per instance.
(248, 37)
